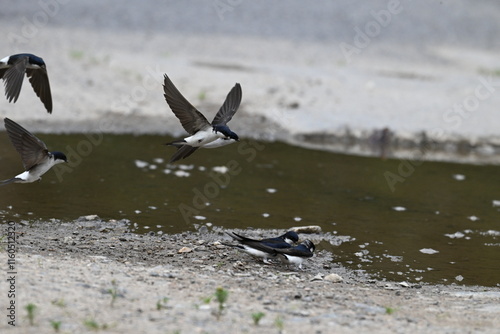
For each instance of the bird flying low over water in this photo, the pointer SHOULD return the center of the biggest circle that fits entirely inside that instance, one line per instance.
(265, 248)
(296, 255)
(12, 70)
(37, 160)
(202, 133)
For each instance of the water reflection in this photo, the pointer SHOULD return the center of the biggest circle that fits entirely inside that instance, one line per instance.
(452, 209)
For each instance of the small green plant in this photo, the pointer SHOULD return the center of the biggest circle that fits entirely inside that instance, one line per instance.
(202, 95)
(56, 325)
(221, 295)
(162, 303)
(279, 323)
(389, 310)
(113, 292)
(488, 71)
(204, 300)
(256, 317)
(76, 54)
(92, 325)
(59, 302)
(31, 309)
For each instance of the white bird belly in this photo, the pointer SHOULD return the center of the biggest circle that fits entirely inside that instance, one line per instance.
(35, 173)
(296, 260)
(27, 177)
(256, 252)
(202, 137)
(219, 142)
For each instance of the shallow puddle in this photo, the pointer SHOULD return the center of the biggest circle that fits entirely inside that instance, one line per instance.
(418, 222)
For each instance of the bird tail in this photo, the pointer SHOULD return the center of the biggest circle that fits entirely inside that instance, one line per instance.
(183, 151)
(231, 245)
(235, 236)
(177, 143)
(9, 181)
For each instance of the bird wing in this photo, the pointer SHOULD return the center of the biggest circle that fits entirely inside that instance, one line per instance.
(40, 82)
(2, 71)
(183, 152)
(32, 150)
(253, 243)
(229, 107)
(14, 77)
(191, 119)
(259, 246)
(277, 242)
(300, 250)
(239, 237)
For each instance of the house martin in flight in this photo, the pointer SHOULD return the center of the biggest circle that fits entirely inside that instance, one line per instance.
(37, 160)
(265, 248)
(12, 70)
(296, 255)
(202, 133)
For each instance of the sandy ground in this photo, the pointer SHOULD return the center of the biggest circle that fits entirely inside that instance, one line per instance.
(96, 275)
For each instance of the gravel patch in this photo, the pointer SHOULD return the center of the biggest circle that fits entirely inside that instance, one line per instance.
(90, 274)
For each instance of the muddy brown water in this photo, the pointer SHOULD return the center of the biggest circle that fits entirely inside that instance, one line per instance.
(425, 222)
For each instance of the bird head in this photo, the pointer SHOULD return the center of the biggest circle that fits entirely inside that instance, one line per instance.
(291, 237)
(309, 245)
(224, 129)
(234, 136)
(59, 157)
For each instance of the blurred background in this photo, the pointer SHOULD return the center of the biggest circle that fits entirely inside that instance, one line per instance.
(400, 81)
(339, 75)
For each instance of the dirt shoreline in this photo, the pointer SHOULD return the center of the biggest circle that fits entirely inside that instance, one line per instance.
(93, 275)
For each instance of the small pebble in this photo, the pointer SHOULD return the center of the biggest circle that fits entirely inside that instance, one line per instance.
(220, 169)
(181, 173)
(428, 251)
(334, 278)
(185, 250)
(459, 177)
(140, 163)
(318, 277)
(307, 229)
